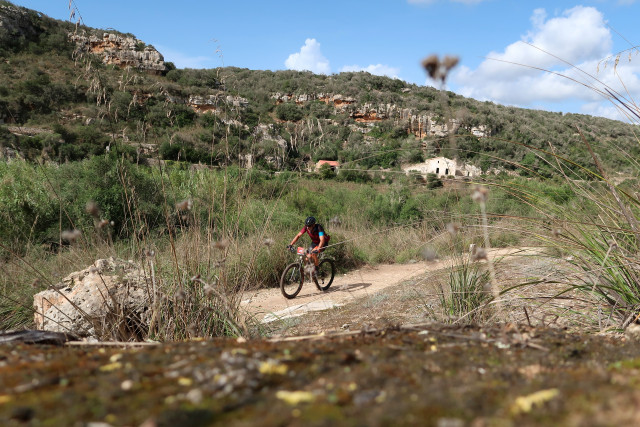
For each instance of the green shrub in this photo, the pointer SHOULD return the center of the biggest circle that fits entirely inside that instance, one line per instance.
(289, 112)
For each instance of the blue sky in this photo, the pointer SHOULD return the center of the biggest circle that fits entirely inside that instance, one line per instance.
(391, 37)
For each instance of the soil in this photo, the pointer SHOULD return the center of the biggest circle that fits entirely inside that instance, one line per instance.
(384, 357)
(373, 296)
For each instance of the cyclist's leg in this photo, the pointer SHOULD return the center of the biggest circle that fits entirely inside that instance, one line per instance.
(313, 256)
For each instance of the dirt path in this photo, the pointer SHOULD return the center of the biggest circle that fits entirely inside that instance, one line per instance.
(269, 304)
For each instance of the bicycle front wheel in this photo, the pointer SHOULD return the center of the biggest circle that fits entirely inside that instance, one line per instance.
(323, 278)
(291, 280)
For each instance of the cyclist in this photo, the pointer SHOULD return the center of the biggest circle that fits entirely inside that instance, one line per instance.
(319, 238)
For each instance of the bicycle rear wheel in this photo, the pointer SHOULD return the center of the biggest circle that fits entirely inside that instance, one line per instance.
(323, 278)
(291, 280)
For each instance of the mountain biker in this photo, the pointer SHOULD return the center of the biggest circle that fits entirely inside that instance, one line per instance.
(319, 238)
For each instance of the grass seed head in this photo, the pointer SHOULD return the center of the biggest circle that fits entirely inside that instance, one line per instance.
(439, 70)
(221, 244)
(184, 205)
(71, 235)
(208, 290)
(429, 254)
(431, 64)
(478, 254)
(453, 228)
(449, 62)
(480, 194)
(192, 329)
(92, 209)
(268, 242)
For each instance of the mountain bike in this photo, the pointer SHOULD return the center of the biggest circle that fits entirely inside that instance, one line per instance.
(294, 274)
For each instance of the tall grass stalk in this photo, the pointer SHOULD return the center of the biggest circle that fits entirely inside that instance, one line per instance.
(599, 236)
(467, 299)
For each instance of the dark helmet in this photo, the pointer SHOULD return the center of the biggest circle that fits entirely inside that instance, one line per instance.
(310, 221)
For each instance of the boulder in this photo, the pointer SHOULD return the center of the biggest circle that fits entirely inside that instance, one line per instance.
(109, 300)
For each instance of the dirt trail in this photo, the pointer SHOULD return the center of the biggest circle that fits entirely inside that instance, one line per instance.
(269, 304)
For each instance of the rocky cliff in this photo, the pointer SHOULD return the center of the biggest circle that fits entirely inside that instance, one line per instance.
(121, 51)
(18, 25)
(420, 125)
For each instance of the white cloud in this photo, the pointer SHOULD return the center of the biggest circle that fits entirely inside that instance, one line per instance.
(182, 60)
(579, 36)
(309, 58)
(603, 110)
(377, 69)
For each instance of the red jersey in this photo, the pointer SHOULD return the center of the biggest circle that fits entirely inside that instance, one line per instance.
(315, 231)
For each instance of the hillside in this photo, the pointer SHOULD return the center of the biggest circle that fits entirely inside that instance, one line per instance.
(87, 91)
(146, 223)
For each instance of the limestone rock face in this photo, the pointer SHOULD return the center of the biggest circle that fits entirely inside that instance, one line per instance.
(210, 103)
(121, 51)
(16, 24)
(109, 300)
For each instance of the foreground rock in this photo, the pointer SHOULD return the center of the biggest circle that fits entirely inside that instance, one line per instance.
(109, 300)
(422, 375)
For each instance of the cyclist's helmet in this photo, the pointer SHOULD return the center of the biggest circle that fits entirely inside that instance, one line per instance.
(310, 221)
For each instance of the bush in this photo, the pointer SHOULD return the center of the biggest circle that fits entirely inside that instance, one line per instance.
(433, 181)
(289, 112)
(327, 172)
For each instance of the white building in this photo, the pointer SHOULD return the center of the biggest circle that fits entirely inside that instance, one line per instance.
(443, 167)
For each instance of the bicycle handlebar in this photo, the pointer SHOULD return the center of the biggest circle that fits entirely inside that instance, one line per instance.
(294, 250)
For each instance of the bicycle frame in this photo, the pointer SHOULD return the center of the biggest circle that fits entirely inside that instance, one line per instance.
(297, 272)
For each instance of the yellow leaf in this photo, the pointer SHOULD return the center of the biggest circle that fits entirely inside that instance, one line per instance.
(184, 381)
(524, 404)
(5, 399)
(295, 397)
(380, 398)
(111, 367)
(270, 368)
